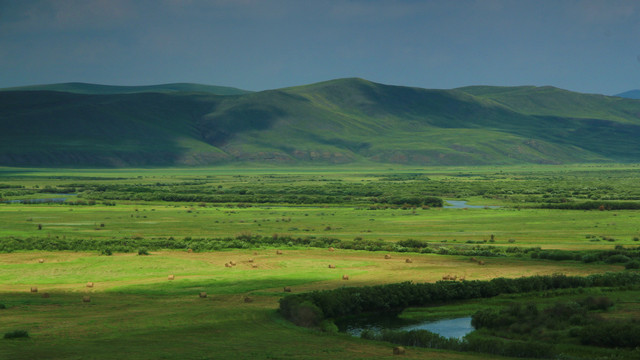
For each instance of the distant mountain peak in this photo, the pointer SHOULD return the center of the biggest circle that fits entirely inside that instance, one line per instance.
(631, 94)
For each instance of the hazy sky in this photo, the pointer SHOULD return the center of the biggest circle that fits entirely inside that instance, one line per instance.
(582, 45)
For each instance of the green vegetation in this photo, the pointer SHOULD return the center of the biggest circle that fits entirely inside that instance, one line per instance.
(126, 255)
(336, 122)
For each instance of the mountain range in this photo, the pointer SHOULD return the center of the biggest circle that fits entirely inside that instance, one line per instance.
(339, 121)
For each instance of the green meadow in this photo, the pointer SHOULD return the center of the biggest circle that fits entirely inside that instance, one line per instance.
(246, 215)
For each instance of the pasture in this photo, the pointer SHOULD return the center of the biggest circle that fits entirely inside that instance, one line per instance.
(136, 312)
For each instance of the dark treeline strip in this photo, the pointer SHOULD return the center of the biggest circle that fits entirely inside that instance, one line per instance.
(501, 347)
(249, 241)
(262, 198)
(592, 205)
(394, 298)
(318, 308)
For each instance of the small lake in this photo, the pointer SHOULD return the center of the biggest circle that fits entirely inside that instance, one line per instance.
(450, 328)
(459, 204)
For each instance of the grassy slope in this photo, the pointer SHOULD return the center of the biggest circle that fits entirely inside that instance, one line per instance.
(337, 121)
(136, 313)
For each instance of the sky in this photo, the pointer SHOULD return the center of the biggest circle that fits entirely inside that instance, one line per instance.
(590, 46)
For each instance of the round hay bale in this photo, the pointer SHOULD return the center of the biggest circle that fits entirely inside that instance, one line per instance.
(254, 266)
(227, 265)
(86, 299)
(387, 256)
(171, 277)
(408, 261)
(287, 289)
(255, 253)
(40, 261)
(89, 284)
(398, 350)
(332, 249)
(462, 278)
(278, 252)
(232, 263)
(34, 289)
(480, 262)
(248, 299)
(250, 260)
(46, 295)
(203, 294)
(446, 277)
(331, 266)
(345, 277)
(189, 251)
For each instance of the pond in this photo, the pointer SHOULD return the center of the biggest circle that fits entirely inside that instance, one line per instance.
(450, 328)
(459, 204)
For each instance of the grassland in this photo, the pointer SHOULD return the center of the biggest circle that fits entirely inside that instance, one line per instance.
(137, 313)
(335, 122)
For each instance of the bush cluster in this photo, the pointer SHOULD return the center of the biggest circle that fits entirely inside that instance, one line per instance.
(394, 298)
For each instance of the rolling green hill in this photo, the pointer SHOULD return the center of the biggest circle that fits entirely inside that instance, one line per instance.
(631, 94)
(84, 88)
(338, 121)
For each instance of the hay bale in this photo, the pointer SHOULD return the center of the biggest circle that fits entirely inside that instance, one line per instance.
(255, 253)
(398, 350)
(250, 260)
(278, 252)
(86, 299)
(387, 256)
(34, 289)
(474, 259)
(46, 295)
(255, 266)
(189, 251)
(171, 277)
(203, 294)
(40, 261)
(89, 284)
(248, 299)
(345, 277)
(462, 278)
(287, 289)
(331, 266)
(232, 263)
(332, 249)
(446, 277)
(408, 261)
(480, 262)
(227, 265)
(453, 278)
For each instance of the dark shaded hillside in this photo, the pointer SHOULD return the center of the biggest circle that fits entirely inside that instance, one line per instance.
(84, 88)
(339, 121)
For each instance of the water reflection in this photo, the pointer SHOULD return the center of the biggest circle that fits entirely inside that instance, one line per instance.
(451, 328)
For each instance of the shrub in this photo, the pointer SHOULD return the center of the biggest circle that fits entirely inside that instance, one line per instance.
(106, 252)
(143, 251)
(16, 334)
(619, 258)
(328, 326)
(635, 264)
(306, 314)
